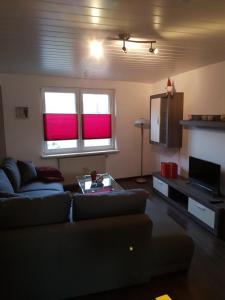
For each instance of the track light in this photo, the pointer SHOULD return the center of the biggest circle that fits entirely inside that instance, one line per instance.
(156, 51)
(125, 37)
(124, 47)
(153, 50)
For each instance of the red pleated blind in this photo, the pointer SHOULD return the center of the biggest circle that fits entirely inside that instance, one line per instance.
(96, 126)
(60, 127)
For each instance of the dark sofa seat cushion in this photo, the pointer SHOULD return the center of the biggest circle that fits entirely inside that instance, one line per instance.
(5, 184)
(37, 186)
(39, 193)
(102, 205)
(25, 211)
(27, 171)
(12, 171)
(8, 195)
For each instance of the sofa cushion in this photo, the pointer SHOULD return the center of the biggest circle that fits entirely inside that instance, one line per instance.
(38, 193)
(5, 184)
(124, 202)
(26, 211)
(37, 186)
(12, 171)
(49, 174)
(27, 171)
(8, 195)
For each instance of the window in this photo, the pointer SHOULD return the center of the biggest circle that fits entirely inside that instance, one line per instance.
(78, 121)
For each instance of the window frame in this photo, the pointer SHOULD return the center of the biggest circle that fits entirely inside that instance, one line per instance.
(80, 149)
(111, 95)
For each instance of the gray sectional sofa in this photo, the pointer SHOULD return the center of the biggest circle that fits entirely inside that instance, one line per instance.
(109, 242)
(20, 178)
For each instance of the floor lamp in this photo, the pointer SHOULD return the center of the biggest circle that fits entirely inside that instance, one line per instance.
(141, 123)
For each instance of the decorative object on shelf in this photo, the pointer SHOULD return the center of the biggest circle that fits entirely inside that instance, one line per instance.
(216, 118)
(220, 125)
(141, 123)
(213, 117)
(125, 37)
(204, 117)
(222, 118)
(195, 117)
(168, 169)
(169, 87)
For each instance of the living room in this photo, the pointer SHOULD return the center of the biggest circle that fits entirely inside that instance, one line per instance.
(199, 86)
(202, 84)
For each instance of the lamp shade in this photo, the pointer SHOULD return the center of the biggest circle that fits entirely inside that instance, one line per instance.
(141, 121)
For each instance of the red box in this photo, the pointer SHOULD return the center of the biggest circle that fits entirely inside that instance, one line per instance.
(165, 169)
(168, 169)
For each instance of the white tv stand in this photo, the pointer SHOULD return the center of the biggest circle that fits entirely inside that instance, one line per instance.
(199, 204)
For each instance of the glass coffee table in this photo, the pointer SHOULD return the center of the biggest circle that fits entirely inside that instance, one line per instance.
(87, 186)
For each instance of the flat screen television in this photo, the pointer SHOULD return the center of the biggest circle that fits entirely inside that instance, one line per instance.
(205, 174)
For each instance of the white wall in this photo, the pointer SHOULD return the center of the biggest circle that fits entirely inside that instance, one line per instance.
(203, 94)
(23, 137)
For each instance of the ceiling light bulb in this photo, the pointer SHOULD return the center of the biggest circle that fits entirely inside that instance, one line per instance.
(124, 49)
(156, 51)
(96, 49)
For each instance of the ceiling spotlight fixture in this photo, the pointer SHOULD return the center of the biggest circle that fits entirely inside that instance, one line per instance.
(125, 37)
(153, 50)
(124, 47)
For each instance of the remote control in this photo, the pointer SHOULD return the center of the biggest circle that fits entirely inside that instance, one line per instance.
(216, 201)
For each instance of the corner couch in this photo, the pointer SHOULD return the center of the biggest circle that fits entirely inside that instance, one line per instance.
(20, 178)
(110, 243)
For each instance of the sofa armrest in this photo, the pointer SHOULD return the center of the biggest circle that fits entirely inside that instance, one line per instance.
(26, 211)
(116, 203)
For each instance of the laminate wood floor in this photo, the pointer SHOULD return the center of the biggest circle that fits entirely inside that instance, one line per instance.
(205, 279)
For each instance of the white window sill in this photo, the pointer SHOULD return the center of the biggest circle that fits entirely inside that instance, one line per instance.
(80, 154)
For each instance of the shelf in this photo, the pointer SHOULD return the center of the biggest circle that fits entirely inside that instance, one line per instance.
(183, 186)
(203, 124)
(193, 201)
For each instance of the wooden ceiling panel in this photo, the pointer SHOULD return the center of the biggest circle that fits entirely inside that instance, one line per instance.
(52, 37)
